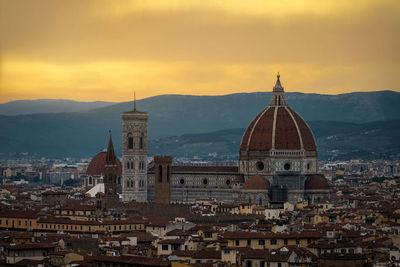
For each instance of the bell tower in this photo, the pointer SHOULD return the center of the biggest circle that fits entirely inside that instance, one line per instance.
(162, 179)
(134, 155)
(110, 199)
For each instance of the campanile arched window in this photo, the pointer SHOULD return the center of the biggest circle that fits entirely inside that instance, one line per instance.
(141, 142)
(168, 174)
(160, 174)
(130, 141)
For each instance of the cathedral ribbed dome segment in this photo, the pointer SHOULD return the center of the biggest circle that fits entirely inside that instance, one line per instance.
(96, 165)
(316, 182)
(256, 182)
(278, 127)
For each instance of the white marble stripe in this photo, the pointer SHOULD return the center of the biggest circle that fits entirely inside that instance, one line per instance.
(297, 127)
(273, 128)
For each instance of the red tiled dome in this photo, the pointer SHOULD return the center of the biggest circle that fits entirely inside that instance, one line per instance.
(256, 182)
(96, 165)
(316, 182)
(278, 127)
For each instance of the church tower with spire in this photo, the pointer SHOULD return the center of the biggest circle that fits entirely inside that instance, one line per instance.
(110, 198)
(134, 155)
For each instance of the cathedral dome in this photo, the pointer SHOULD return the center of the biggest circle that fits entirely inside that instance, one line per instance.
(316, 182)
(96, 165)
(278, 127)
(256, 182)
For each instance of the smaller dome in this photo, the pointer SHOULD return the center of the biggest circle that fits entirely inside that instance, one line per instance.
(316, 182)
(256, 182)
(96, 165)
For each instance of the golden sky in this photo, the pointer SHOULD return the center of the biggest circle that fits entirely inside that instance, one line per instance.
(104, 50)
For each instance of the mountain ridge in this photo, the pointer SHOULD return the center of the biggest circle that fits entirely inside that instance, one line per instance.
(40, 106)
(83, 133)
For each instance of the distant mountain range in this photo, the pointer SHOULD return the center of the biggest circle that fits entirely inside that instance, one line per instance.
(21, 107)
(84, 133)
(335, 140)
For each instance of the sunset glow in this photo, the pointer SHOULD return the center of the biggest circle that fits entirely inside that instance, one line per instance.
(104, 50)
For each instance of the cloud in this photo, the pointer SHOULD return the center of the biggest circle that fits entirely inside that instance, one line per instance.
(202, 47)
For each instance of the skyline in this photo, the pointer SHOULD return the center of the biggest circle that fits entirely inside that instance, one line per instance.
(103, 51)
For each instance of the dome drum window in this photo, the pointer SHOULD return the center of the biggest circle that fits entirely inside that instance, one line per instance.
(205, 181)
(260, 165)
(287, 166)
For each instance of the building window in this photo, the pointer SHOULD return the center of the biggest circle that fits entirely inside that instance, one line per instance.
(164, 247)
(130, 142)
(260, 165)
(287, 166)
(237, 243)
(261, 242)
(141, 142)
(273, 241)
(297, 241)
(168, 174)
(160, 174)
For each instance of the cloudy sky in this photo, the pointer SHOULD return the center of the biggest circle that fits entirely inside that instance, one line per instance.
(104, 50)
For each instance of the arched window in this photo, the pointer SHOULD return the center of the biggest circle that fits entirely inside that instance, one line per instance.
(90, 180)
(127, 165)
(127, 183)
(132, 165)
(130, 141)
(168, 174)
(141, 142)
(132, 184)
(160, 174)
(260, 201)
(119, 180)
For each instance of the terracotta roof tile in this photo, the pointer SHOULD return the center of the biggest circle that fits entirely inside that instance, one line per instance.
(316, 182)
(256, 182)
(259, 134)
(96, 165)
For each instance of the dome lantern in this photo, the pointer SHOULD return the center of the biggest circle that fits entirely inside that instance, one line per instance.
(278, 92)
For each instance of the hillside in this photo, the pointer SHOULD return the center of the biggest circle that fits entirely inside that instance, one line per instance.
(83, 134)
(21, 107)
(335, 140)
